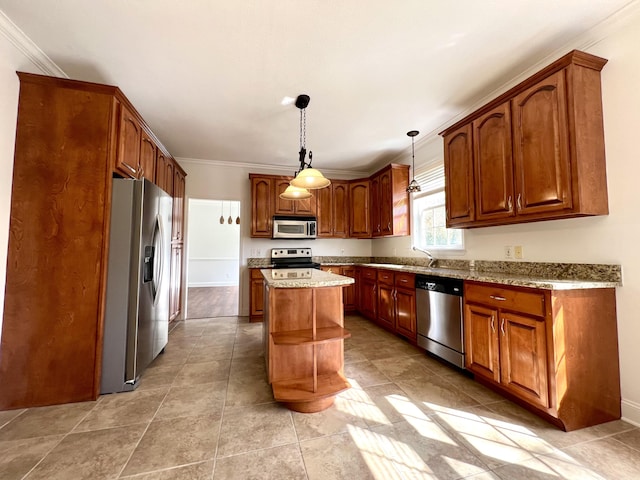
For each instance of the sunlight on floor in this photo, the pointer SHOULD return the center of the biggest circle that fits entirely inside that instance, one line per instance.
(496, 441)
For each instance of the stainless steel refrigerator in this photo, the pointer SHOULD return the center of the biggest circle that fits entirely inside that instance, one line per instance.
(136, 325)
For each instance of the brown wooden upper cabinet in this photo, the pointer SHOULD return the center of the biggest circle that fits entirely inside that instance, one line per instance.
(390, 201)
(148, 151)
(534, 153)
(332, 210)
(306, 206)
(178, 204)
(359, 219)
(129, 137)
(262, 187)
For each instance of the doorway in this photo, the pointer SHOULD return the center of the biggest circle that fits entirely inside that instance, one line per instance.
(213, 267)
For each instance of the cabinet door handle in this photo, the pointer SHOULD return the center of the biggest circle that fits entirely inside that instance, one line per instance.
(389, 226)
(493, 324)
(510, 204)
(496, 297)
(518, 203)
(502, 327)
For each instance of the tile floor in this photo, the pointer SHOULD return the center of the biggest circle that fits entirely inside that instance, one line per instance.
(204, 411)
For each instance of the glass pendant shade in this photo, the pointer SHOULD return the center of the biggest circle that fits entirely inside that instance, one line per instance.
(310, 178)
(413, 187)
(295, 193)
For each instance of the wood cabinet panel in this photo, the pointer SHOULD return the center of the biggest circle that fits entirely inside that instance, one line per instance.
(161, 171)
(369, 298)
(256, 295)
(175, 291)
(332, 210)
(523, 357)
(129, 137)
(350, 291)
(283, 206)
(262, 188)
(541, 143)
(493, 164)
(148, 151)
(359, 216)
(178, 204)
(386, 305)
(481, 341)
(459, 187)
(405, 313)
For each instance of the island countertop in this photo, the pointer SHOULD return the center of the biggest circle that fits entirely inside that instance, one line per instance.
(303, 278)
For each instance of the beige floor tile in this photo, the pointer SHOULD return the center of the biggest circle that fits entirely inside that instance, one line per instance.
(220, 329)
(365, 374)
(630, 437)
(201, 399)
(95, 455)
(8, 415)
(338, 457)
(159, 376)
(17, 457)
(420, 447)
(205, 372)
(176, 356)
(255, 427)
(435, 390)
(276, 463)
(43, 421)
(475, 390)
(353, 355)
(390, 350)
(608, 457)
(208, 353)
(225, 340)
(120, 409)
(402, 368)
(175, 442)
(243, 366)
(546, 468)
(197, 471)
(336, 419)
(245, 390)
(382, 404)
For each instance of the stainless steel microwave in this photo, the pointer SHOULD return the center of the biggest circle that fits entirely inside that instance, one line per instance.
(294, 227)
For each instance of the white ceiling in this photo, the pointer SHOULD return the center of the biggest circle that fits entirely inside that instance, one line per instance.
(209, 75)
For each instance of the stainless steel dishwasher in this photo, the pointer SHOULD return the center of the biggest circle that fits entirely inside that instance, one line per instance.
(439, 317)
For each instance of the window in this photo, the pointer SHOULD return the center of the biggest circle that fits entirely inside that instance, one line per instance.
(429, 214)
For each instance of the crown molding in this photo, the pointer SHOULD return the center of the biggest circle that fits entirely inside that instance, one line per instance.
(262, 167)
(29, 49)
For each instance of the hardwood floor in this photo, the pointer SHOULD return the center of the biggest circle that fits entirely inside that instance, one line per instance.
(210, 302)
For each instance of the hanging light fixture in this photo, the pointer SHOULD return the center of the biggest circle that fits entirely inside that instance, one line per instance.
(295, 193)
(221, 213)
(306, 177)
(413, 186)
(238, 217)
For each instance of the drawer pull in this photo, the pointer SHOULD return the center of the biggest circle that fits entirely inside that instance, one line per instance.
(496, 297)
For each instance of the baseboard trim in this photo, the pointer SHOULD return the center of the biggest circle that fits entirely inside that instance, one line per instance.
(211, 284)
(631, 412)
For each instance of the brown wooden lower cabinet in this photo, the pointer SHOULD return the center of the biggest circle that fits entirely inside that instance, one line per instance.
(175, 290)
(553, 351)
(256, 295)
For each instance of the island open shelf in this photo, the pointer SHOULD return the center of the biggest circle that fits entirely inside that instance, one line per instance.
(304, 340)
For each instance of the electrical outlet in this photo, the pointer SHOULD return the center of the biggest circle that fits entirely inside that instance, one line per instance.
(517, 252)
(508, 252)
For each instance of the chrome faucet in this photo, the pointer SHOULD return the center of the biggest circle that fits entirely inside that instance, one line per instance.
(432, 260)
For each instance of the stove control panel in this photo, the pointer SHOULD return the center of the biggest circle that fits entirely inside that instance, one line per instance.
(290, 253)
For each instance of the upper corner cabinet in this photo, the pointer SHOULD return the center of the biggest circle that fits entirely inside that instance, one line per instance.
(534, 153)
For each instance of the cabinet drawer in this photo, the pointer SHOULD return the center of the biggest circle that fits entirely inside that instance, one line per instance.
(524, 301)
(405, 280)
(369, 273)
(385, 276)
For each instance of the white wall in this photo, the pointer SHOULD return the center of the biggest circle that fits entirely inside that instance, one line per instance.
(607, 239)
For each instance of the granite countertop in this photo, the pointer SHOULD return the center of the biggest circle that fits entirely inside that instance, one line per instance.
(303, 278)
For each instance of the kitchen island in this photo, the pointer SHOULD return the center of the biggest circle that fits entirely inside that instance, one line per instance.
(303, 337)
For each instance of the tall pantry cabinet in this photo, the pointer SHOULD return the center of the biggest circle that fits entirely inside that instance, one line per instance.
(71, 139)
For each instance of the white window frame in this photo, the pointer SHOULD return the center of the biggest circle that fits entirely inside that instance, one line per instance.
(431, 180)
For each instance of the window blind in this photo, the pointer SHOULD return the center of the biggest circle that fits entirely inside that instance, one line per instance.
(431, 178)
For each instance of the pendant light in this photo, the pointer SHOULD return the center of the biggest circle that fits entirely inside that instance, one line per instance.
(413, 186)
(306, 177)
(221, 213)
(295, 193)
(238, 217)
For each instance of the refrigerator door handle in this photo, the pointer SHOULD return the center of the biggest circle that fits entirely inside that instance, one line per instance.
(158, 261)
